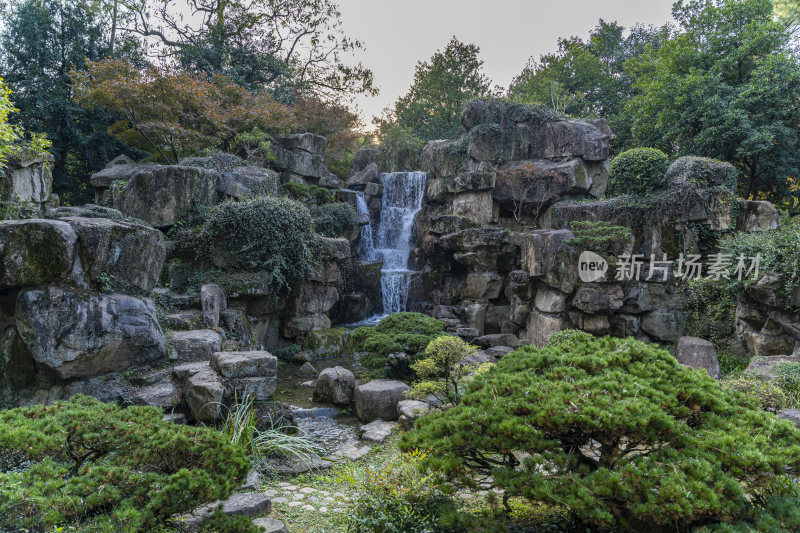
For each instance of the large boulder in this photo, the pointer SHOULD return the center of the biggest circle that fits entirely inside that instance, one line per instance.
(80, 334)
(702, 172)
(541, 325)
(757, 215)
(698, 353)
(204, 393)
(130, 255)
(540, 181)
(327, 342)
(482, 286)
(245, 182)
(27, 178)
(35, 251)
(379, 399)
(195, 345)
(163, 195)
(335, 385)
(301, 154)
(245, 374)
(213, 302)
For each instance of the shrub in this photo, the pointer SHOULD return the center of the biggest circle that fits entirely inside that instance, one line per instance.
(109, 468)
(779, 250)
(408, 333)
(768, 396)
(601, 237)
(269, 235)
(613, 429)
(637, 171)
(335, 220)
(399, 499)
(443, 371)
(309, 194)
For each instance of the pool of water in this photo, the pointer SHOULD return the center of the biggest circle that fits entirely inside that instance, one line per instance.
(330, 426)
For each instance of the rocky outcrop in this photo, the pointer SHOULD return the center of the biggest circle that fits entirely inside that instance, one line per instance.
(35, 251)
(79, 334)
(27, 179)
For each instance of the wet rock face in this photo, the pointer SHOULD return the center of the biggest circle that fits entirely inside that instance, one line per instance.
(79, 334)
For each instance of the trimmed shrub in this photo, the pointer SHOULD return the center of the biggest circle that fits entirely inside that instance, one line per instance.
(407, 333)
(269, 235)
(108, 468)
(638, 171)
(616, 431)
(335, 220)
(444, 371)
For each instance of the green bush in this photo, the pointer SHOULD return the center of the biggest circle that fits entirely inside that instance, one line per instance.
(399, 499)
(335, 220)
(637, 171)
(601, 237)
(616, 431)
(769, 396)
(407, 333)
(269, 235)
(108, 468)
(309, 194)
(780, 253)
(443, 372)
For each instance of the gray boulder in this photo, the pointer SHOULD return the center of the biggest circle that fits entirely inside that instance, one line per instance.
(27, 179)
(214, 302)
(131, 255)
(755, 215)
(245, 182)
(409, 411)
(593, 298)
(379, 399)
(163, 394)
(335, 385)
(245, 364)
(195, 345)
(482, 286)
(35, 251)
(162, 195)
(204, 393)
(698, 353)
(84, 211)
(792, 415)
(663, 324)
(79, 334)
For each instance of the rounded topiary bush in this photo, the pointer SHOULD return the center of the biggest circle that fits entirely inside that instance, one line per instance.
(335, 220)
(407, 333)
(614, 430)
(270, 235)
(105, 468)
(638, 171)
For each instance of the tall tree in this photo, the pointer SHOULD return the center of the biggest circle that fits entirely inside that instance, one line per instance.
(725, 85)
(285, 45)
(42, 40)
(432, 107)
(589, 78)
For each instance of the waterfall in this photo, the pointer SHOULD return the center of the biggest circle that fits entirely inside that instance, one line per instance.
(401, 200)
(367, 245)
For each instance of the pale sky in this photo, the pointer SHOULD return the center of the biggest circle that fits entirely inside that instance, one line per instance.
(398, 33)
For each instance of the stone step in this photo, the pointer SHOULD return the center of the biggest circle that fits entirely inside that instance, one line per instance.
(243, 504)
(185, 320)
(194, 345)
(270, 525)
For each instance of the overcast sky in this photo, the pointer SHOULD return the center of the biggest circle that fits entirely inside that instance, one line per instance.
(398, 33)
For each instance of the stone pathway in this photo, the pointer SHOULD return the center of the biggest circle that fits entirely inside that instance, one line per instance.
(307, 498)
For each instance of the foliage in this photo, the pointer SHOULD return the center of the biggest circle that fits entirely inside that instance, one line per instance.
(172, 114)
(589, 78)
(309, 193)
(780, 253)
(40, 42)
(242, 427)
(769, 396)
(569, 336)
(613, 429)
(266, 234)
(108, 468)
(780, 514)
(9, 134)
(399, 499)
(399, 145)
(725, 85)
(287, 353)
(637, 171)
(335, 220)
(712, 307)
(432, 107)
(601, 237)
(407, 333)
(253, 145)
(285, 46)
(219, 522)
(443, 371)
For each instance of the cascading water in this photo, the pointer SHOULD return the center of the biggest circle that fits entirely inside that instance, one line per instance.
(367, 245)
(401, 200)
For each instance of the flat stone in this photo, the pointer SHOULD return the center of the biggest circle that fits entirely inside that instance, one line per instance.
(308, 508)
(195, 345)
(766, 365)
(792, 415)
(378, 399)
(308, 490)
(353, 453)
(270, 525)
(186, 370)
(377, 430)
(164, 395)
(245, 364)
(410, 410)
(296, 465)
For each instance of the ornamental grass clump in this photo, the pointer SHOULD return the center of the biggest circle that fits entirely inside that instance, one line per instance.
(616, 431)
(100, 467)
